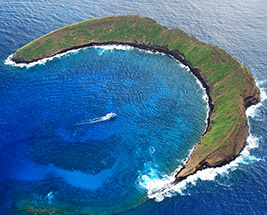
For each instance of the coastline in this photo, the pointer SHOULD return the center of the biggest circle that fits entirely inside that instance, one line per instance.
(176, 56)
(236, 142)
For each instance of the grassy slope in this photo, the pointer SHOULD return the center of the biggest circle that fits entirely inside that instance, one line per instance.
(230, 82)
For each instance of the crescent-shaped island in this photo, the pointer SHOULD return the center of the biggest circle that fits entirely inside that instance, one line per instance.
(229, 84)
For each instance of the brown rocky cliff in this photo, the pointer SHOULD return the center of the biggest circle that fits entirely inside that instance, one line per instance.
(236, 139)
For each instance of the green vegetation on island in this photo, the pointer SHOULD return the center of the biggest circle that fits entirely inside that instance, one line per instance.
(230, 85)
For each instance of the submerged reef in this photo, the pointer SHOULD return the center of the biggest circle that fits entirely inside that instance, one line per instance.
(229, 84)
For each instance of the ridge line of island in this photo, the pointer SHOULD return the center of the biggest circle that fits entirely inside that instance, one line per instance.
(229, 84)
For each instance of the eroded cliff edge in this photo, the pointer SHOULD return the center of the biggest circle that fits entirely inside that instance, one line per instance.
(230, 86)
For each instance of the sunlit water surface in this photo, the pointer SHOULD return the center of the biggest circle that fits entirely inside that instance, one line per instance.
(53, 157)
(56, 131)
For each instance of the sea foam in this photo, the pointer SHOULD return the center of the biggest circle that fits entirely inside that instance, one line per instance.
(115, 46)
(160, 186)
(254, 111)
(103, 48)
(10, 62)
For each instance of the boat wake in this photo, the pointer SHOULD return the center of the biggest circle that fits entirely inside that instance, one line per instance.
(109, 116)
(160, 186)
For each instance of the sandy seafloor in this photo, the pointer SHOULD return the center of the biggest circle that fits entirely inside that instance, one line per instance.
(239, 27)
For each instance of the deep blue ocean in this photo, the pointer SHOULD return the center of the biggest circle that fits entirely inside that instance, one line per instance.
(58, 153)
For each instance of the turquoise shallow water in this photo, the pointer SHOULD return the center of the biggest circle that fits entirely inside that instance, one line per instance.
(237, 26)
(60, 137)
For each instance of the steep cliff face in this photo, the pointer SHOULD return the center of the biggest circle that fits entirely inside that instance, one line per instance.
(229, 85)
(235, 138)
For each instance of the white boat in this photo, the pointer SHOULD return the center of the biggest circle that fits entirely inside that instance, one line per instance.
(100, 119)
(109, 116)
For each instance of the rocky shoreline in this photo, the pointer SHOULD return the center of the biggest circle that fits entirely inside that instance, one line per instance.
(230, 143)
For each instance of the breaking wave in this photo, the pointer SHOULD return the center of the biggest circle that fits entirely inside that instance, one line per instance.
(160, 186)
(254, 111)
(10, 62)
(102, 49)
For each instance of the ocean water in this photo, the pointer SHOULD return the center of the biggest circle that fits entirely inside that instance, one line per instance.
(58, 154)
